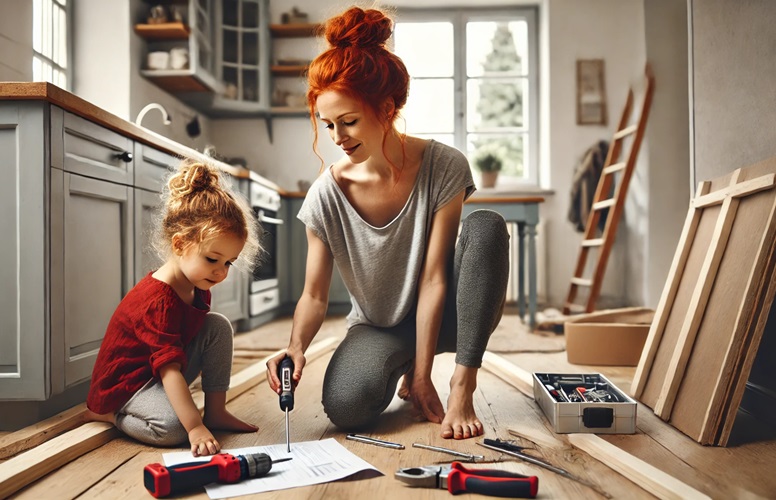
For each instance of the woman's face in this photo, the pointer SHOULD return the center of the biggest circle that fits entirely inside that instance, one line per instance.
(351, 125)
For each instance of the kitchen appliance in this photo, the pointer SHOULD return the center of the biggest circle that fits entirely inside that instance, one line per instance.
(264, 295)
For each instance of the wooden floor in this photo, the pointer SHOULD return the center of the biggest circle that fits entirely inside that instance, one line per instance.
(744, 470)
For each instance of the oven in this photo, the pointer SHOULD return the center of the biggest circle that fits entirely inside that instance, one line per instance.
(264, 295)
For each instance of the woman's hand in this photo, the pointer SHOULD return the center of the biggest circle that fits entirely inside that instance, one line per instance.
(202, 442)
(424, 397)
(272, 369)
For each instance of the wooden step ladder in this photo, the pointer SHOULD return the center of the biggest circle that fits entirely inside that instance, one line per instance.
(614, 167)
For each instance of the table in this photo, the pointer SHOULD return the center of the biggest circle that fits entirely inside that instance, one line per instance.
(522, 211)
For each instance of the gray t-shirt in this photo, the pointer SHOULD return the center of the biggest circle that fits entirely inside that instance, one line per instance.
(380, 266)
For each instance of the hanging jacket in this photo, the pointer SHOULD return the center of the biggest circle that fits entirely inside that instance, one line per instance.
(583, 186)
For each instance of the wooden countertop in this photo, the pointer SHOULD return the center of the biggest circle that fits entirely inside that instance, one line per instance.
(45, 91)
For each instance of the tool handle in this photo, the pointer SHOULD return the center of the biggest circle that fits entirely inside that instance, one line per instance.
(162, 481)
(285, 374)
(496, 483)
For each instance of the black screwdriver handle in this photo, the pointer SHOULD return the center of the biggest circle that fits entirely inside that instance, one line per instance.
(285, 373)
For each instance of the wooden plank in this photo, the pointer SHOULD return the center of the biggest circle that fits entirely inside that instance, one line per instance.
(734, 372)
(700, 296)
(625, 132)
(77, 476)
(36, 463)
(739, 190)
(650, 478)
(663, 310)
(29, 437)
(513, 375)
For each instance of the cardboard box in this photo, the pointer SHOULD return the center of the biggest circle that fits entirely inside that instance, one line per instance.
(611, 337)
(617, 416)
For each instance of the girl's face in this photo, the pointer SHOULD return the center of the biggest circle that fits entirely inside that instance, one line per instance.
(351, 125)
(208, 263)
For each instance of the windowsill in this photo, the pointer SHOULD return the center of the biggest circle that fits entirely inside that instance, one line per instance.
(513, 190)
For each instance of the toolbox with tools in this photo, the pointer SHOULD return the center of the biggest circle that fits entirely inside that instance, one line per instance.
(584, 403)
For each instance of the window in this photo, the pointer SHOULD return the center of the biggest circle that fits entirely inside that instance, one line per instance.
(49, 42)
(474, 83)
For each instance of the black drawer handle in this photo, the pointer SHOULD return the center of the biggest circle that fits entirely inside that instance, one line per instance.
(125, 156)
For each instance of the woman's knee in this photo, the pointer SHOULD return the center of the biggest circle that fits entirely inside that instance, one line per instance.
(485, 225)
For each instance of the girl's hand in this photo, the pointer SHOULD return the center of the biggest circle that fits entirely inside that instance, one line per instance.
(424, 397)
(272, 369)
(202, 442)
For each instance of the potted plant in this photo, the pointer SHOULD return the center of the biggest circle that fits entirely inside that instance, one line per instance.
(489, 166)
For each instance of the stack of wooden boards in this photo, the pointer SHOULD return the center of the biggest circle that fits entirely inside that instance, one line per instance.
(714, 307)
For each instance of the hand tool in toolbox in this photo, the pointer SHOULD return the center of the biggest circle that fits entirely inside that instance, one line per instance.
(516, 451)
(469, 457)
(162, 481)
(376, 442)
(456, 478)
(285, 372)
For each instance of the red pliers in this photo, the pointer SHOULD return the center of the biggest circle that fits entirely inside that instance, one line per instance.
(456, 478)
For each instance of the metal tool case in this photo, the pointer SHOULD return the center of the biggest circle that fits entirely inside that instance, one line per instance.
(567, 412)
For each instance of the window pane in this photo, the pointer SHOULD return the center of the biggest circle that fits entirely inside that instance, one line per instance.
(421, 57)
(495, 47)
(509, 148)
(37, 24)
(494, 103)
(430, 107)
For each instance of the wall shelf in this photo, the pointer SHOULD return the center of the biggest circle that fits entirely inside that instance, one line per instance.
(163, 31)
(294, 30)
(289, 70)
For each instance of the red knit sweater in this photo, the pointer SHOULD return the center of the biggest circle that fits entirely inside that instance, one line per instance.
(150, 328)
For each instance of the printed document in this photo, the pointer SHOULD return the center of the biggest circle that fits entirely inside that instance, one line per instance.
(314, 462)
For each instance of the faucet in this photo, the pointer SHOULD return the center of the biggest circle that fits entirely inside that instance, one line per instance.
(149, 107)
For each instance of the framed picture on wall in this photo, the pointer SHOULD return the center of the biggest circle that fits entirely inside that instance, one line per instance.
(591, 92)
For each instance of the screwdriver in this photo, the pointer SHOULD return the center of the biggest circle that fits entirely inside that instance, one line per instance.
(285, 371)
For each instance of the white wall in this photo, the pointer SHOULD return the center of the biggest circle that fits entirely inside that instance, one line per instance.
(16, 41)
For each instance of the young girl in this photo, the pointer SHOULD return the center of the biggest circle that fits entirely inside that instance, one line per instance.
(163, 335)
(387, 213)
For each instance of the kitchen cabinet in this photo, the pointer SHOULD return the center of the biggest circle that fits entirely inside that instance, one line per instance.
(228, 45)
(339, 298)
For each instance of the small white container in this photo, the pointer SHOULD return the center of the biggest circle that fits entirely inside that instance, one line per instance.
(179, 58)
(158, 60)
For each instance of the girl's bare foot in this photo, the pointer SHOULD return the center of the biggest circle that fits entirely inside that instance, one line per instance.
(90, 416)
(461, 421)
(225, 421)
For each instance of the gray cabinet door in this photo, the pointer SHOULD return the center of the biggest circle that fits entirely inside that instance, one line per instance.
(94, 231)
(152, 166)
(85, 148)
(147, 205)
(24, 319)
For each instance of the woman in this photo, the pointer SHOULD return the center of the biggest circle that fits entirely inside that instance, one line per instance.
(388, 214)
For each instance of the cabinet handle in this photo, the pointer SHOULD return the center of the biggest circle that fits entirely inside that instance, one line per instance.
(125, 156)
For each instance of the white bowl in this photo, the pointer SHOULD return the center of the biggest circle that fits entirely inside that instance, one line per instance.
(158, 60)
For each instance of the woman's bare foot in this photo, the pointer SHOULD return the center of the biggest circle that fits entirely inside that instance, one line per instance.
(225, 421)
(90, 416)
(406, 384)
(461, 421)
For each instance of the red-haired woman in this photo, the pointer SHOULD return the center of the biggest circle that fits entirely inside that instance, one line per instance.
(387, 213)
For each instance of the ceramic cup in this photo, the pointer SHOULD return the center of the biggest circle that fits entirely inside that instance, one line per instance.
(179, 58)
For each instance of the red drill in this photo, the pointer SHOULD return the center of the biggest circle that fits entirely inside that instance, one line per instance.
(162, 481)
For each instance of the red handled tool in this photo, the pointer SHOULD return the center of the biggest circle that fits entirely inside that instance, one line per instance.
(456, 478)
(162, 481)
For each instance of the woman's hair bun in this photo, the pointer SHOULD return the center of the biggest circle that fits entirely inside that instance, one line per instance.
(360, 28)
(192, 178)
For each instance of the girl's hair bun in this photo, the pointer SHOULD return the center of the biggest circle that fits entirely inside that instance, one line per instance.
(192, 178)
(359, 28)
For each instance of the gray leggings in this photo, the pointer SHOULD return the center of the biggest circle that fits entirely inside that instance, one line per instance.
(361, 378)
(149, 417)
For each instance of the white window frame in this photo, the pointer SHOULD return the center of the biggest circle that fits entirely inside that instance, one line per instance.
(458, 17)
(49, 55)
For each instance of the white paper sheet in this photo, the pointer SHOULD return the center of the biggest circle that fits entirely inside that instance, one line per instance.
(314, 462)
